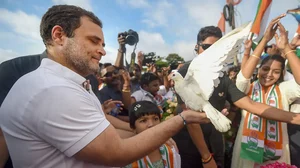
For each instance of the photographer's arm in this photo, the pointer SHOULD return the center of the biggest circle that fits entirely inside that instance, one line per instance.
(120, 56)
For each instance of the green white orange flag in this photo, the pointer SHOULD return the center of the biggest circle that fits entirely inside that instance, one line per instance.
(296, 14)
(260, 22)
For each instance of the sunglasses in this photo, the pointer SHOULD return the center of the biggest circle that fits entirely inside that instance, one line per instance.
(205, 46)
(110, 74)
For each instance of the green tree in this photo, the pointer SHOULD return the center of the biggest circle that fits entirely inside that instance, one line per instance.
(173, 57)
(161, 63)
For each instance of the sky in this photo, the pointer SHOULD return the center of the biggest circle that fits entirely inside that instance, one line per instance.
(164, 26)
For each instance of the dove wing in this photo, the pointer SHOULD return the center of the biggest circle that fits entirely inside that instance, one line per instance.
(210, 65)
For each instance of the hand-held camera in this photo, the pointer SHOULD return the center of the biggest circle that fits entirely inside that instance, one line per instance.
(131, 37)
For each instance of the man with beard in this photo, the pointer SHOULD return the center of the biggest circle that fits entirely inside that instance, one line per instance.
(51, 118)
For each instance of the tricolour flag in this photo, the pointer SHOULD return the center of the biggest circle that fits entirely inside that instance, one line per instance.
(296, 14)
(260, 21)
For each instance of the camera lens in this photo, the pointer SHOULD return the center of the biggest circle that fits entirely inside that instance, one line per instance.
(131, 40)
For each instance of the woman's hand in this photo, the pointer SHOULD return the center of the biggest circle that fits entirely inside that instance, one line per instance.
(271, 29)
(282, 41)
(126, 77)
(248, 45)
(295, 42)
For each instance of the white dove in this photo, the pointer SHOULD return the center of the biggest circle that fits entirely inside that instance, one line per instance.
(204, 72)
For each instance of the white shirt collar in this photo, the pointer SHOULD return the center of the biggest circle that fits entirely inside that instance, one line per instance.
(62, 70)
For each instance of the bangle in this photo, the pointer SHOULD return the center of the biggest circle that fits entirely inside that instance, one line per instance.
(126, 90)
(204, 161)
(184, 122)
(255, 56)
(288, 53)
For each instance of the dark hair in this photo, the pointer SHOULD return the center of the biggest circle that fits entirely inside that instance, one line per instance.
(66, 16)
(208, 31)
(234, 69)
(278, 58)
(266, 48)
(142, 108)
(105, 65)
(148, 77)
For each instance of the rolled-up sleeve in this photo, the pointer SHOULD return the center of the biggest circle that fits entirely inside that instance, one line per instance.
(242, 83)
(291, 90)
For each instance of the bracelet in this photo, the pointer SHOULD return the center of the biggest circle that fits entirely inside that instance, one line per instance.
(204, 161)
(126, 90)
(255, 56)
(184, 122)
(288, 53)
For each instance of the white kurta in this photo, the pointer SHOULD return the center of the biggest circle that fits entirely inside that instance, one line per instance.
(290, 91)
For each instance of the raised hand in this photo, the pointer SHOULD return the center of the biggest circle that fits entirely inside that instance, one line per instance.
(271, 29)
(295, 42)
(121, 40)
(165, 71)
(248, 44)
(126, 77)
(282, 41)
(151, 68)
(140, 56)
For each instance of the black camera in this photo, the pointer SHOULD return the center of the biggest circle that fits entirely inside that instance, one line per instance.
(131, 37)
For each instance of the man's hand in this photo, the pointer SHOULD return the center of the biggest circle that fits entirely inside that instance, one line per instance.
(225, 112)
(165, 71)
(121, 40)
(191, 117)
(151, 68)
(179, 66)
(110, 104)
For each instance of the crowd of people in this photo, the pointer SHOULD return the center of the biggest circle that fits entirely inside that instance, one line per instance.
(63, 108)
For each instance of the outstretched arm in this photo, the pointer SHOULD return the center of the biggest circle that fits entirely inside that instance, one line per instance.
(120, 56)
(266, 111)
